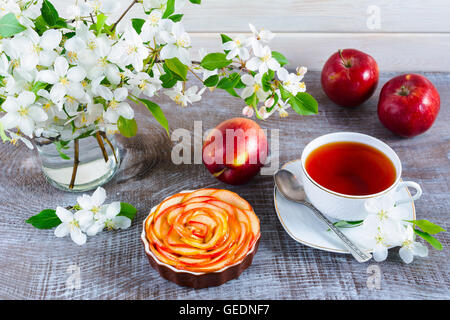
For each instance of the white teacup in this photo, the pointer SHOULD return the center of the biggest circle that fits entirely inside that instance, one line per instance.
(348, 207)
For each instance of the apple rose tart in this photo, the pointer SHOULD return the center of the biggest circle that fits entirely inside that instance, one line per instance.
(201, 238)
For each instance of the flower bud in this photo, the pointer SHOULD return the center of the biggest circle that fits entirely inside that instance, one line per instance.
(248, 111)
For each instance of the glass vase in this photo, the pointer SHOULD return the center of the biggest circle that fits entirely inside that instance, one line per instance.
(79, 165)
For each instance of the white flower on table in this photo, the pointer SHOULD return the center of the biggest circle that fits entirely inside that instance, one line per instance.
(237, 47)
(177, 44)
(92, 203)
(117, 106)
(263, 60)
(22, 113)
(253, 85)
(108, 218)
(73, 224)
(64, 80)
(410, 247)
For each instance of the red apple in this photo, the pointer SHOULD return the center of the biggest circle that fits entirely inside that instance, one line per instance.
(349, 77)
(408, 105)
(235, 150)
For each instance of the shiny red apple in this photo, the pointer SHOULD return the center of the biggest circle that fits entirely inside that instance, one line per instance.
(349, 77)
(235, 150)
(408, 105)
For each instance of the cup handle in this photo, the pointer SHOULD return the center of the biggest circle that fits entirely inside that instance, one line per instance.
(413, 185)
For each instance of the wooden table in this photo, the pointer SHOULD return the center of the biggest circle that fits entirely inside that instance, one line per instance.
(36, 265)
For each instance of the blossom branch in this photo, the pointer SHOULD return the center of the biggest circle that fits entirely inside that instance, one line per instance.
(123, 14)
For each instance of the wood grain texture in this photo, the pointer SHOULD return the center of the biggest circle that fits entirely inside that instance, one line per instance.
(394, 52)
(411, 35)
(308, 15)
(113, 265)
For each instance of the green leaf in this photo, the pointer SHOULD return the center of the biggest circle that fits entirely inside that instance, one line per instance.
(49, 13)
(308, 105)
(157, 113)
(38, 86)
(137, 24)
(127, 210)
(282, 60)
(176, 17)
(429, 238)
(101, 19)
(177, 67)
(215, 61)
(302, 103)
(427, 226)
(348, 224)
(267, 80)
(196, 1)
(225, 38)
(252, 100)
(232, 92)
(9, 25)
(46, 219)
(40, 25)
(170, 9)
(60, 145)
(229, 82)
(127, 127)
(211, 81)
(167, 81)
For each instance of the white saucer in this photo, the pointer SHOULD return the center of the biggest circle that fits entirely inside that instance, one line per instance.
(301, 224)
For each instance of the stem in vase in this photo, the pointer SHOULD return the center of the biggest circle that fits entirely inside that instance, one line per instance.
(76, 161)
(101, 145)
(110, 145)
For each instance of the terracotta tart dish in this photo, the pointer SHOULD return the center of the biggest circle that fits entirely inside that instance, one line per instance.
(201, 238)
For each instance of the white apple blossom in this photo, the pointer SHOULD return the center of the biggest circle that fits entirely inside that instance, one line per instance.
(117, 106)
(64, 80)
(22, 113)
(291, 81)
(263, 60)
(89, 217)
(81, 71)
(237, 47)
(92, 203)
(183, 97)
(177, 44)
(263, 36)
(73, 224)
(253, 86)
(129, 50)
(43, 48)
(142, 83)
(108, 218)
(410, 247)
